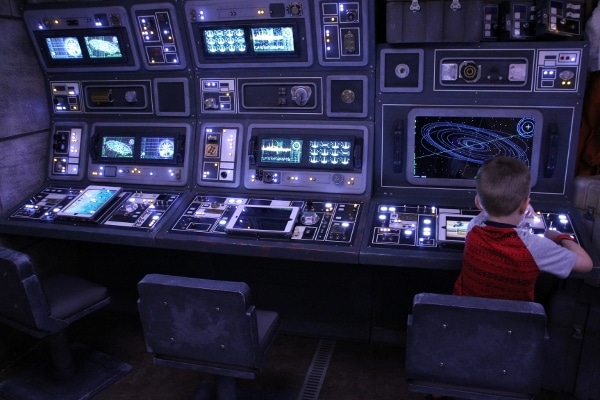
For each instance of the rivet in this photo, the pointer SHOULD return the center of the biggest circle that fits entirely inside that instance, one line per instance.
(172, 340)
(509, 332)
(444, 326)
(441, 364)
(217, 309)
(504, 372)
(222, 347)
(165, 303)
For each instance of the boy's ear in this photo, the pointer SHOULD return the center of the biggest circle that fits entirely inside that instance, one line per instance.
(524, 205)
(478, 203)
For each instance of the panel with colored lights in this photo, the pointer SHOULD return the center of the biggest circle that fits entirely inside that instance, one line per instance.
(161, 41)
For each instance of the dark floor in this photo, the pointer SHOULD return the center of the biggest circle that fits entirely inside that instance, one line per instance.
(356, 370)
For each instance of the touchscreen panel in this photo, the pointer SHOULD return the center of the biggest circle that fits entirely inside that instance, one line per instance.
(90, 202)
(263, 220)
(453, 227)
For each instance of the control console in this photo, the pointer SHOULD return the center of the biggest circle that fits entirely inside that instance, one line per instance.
(129, 209)
(402, 226)
(316, 222)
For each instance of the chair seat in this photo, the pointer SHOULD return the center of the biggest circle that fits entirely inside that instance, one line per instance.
(267, 327)
(44, 307)
(68, 295)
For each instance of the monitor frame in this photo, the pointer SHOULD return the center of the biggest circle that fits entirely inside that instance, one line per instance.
(261, 135)
(466, 112)
(251, 56)
(138, 134)
(127, 61)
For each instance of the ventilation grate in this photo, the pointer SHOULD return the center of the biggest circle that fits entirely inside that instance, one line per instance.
(317, 370)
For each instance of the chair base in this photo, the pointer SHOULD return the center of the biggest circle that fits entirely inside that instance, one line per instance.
(95, 372)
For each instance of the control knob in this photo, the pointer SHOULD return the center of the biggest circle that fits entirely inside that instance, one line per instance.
(301, 94)
(296, 9)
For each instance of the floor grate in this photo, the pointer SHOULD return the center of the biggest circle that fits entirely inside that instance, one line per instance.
(317, 370)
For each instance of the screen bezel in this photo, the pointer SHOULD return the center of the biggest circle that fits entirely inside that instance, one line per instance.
(258, 135)
(300, 53)
(241, 211)
(126, 59)
(176, 133)
(444, 219)
(464, 112)
(68, 210)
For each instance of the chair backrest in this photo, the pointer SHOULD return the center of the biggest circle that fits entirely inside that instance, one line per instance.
(476, 344)
(207, 321)
(23, 304)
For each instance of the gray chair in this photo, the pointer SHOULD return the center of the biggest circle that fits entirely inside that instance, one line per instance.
(475, 348)
(44, 307)
(206, 325)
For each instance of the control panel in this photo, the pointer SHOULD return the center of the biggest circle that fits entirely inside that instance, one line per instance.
(402, 226)
(67, 151)
(316, 222)
(159, 36)
(551, 70)
(130, 209)
(152, 153)
(343, 32)
(220, 155)
(94, 38)
(304, 157)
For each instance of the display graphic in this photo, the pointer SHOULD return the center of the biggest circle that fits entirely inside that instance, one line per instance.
(117, 147)
(157, 148)
(63, 48)
(325, 152)
(222, 41)
(281, 150)
(279, 39)
(451, 147)
(103, 46)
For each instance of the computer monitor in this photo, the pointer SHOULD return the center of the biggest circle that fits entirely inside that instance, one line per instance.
(447, 145)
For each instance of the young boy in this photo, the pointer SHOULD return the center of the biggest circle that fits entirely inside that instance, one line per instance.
(500, 259)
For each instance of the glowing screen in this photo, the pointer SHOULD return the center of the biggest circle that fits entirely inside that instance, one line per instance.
(225, 41)
(62, 48)
(276, 39)
(90, 201)
(456, 227)
(117, 147)
(329, 152)
(281, 150)
(103, 46)
(157, 148)
(450, 147)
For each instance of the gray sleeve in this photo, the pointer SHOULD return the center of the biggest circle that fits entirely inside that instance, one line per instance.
(549, 256)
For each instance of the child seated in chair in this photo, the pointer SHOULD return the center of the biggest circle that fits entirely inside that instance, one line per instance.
(501, 259)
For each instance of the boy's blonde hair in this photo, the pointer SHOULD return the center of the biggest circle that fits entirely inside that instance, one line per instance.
(502, 185)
